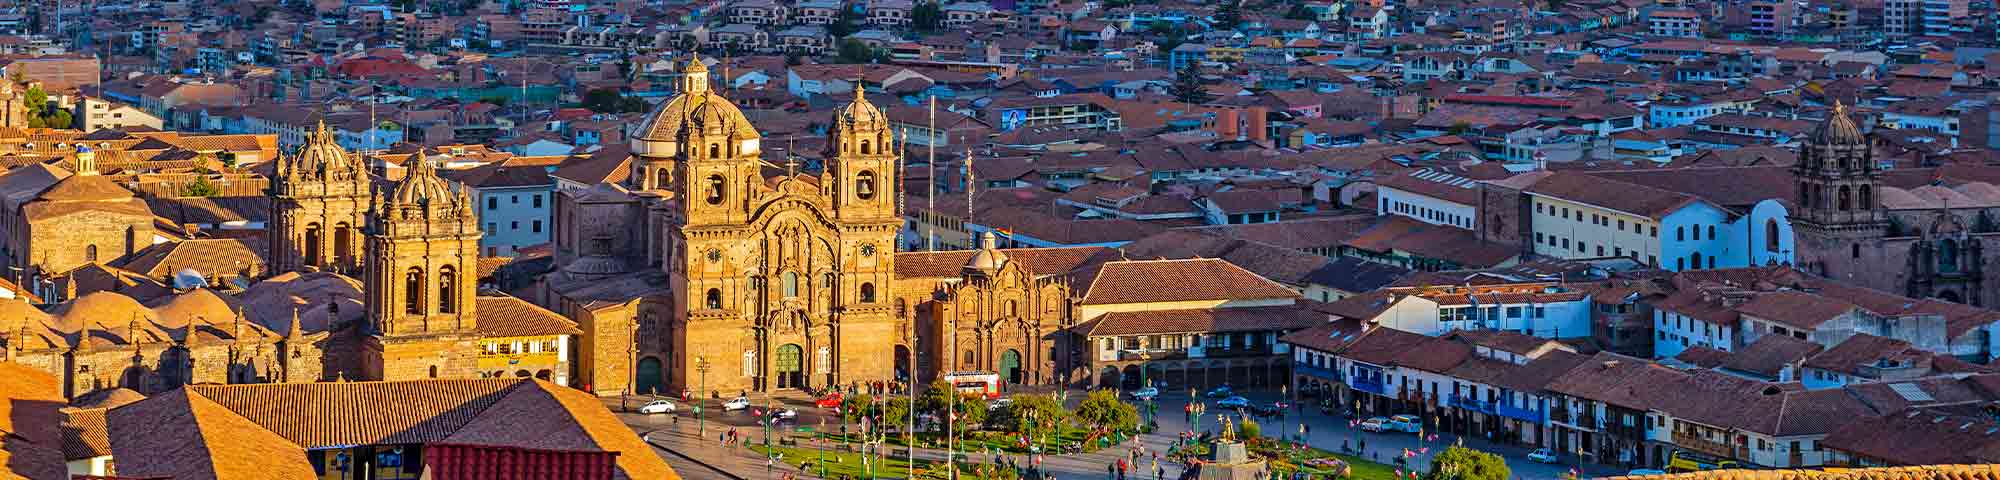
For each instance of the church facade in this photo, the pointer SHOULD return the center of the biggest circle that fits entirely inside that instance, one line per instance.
(1916, 232)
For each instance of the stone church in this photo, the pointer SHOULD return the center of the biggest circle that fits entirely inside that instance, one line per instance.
(1920, 232)
(415, 313)
(730, 272)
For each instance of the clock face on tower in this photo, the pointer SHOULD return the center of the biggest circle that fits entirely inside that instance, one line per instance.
(714, 255)
(867, 249)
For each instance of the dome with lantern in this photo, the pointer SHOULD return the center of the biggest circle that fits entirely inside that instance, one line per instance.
(696, 111)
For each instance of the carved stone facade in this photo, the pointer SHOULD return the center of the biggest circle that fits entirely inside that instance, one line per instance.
(1914, 241)
(193, 338)
(319, 200)
(995, 314)
(423, 247)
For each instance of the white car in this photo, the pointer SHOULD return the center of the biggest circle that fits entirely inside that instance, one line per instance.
(999, 403)
(657, 406)
(734, 404)
(785, 414)
(1375, 425)
(1406, 424)
(1542, 455)
(1145, 393)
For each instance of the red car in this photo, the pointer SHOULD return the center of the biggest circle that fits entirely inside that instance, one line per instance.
(829, 401)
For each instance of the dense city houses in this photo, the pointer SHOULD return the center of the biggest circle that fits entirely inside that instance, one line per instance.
(1635, 235)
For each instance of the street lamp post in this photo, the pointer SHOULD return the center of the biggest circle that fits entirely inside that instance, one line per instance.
(700, 365)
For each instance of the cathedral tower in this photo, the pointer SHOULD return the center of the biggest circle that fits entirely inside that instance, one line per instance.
(423, 247)
(860, 161)
(319, 198)
(1837, 181)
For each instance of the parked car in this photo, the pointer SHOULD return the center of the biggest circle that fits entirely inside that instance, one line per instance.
(1406, 423)
(1220, 392)
(999, 403)
(735, 404)
(829, 401)
(1542, 455)
(657, 406)
(784, 414)
(1376, 424)
(1233, 402)
(1147, 393)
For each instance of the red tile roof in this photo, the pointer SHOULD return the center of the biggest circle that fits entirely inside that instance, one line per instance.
(1199, 279)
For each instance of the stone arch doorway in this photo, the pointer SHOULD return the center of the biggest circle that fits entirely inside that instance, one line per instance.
(791, 369)
(1010, 366)
(648, 381)
(903, 362)
(1130, 378)
(1108, 378)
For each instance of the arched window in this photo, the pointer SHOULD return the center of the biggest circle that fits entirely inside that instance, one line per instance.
(1013, 308)
(1846, 198)
(714, 151)
(864, 185)
(434, 371)
(1867, 200)
(1771, 241)
(864, 147)
(447, 290)
(311, 249)
(867, 292)
(1711, 232)
(1680, 234)
(662, 178)
(714, 300)
(791, 284)
(413, 291)
(1694, 260)
(715, 189)
(90, 253)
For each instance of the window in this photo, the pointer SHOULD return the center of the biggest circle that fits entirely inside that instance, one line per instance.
(791, 284)
(514, 199)
(447, 287)
(538, 201)
(413, 291)
(1771, 235)
(1680, 233)
(867, 292)
(864, 184)
(537, 226)
(714, 299)
(715, 189)
(1711, 232)
(90, 253)
(492, 203)
(1656, 232)
(514, 225)
(1621, 224)
(1856, 250)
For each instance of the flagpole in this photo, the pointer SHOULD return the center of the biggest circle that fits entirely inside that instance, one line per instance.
(930, 239)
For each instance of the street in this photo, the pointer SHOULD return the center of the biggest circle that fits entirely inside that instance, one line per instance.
(675, 435)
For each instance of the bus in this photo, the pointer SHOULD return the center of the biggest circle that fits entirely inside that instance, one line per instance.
(1684, 461)
(984, 384)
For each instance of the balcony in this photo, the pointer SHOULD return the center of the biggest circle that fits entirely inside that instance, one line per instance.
(1473, 404)
(1315, 372)
(1691, 441)
(1370, 385)
(1529, 415)
(1152, 354)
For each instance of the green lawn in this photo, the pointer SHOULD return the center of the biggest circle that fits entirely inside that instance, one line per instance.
(977, 441)
(1299, 458)
(849, 464)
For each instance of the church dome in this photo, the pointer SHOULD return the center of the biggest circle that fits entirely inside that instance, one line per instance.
(1838, 129)
(320, 155)
(422, 187)
(697, 110)
(988, 259)
(860, 113)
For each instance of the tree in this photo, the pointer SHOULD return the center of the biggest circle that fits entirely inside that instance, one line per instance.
(1229, 15)
(855, 51)
(608, 100)
(1187, 87)
(846, 24)
(897, 412)
(1300, 12)
(853, 409)
(1248, 429)
(1029, 413)
(1103, 411)
(200, 188)
(971, 413)
(927, 17)
(1460, 463)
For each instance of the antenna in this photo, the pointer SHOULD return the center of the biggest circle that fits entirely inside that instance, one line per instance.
(930, 239)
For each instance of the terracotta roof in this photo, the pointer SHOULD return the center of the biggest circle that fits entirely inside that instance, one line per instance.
(1611, 194)
(218, 256)
(180, 434)
(505, 316)
(1040, 261)
(1200, 279)
(1795, 308)
(84, 434)
(31, 447)
(1201, 320)
(85, 188)
(1770, 354)
(262, 431)
(1919, 437)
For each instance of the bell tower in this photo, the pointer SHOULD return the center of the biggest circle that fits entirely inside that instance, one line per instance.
(423, 248)
(713, 147)
(319, 198)
(861, 162)
(1837, 180)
